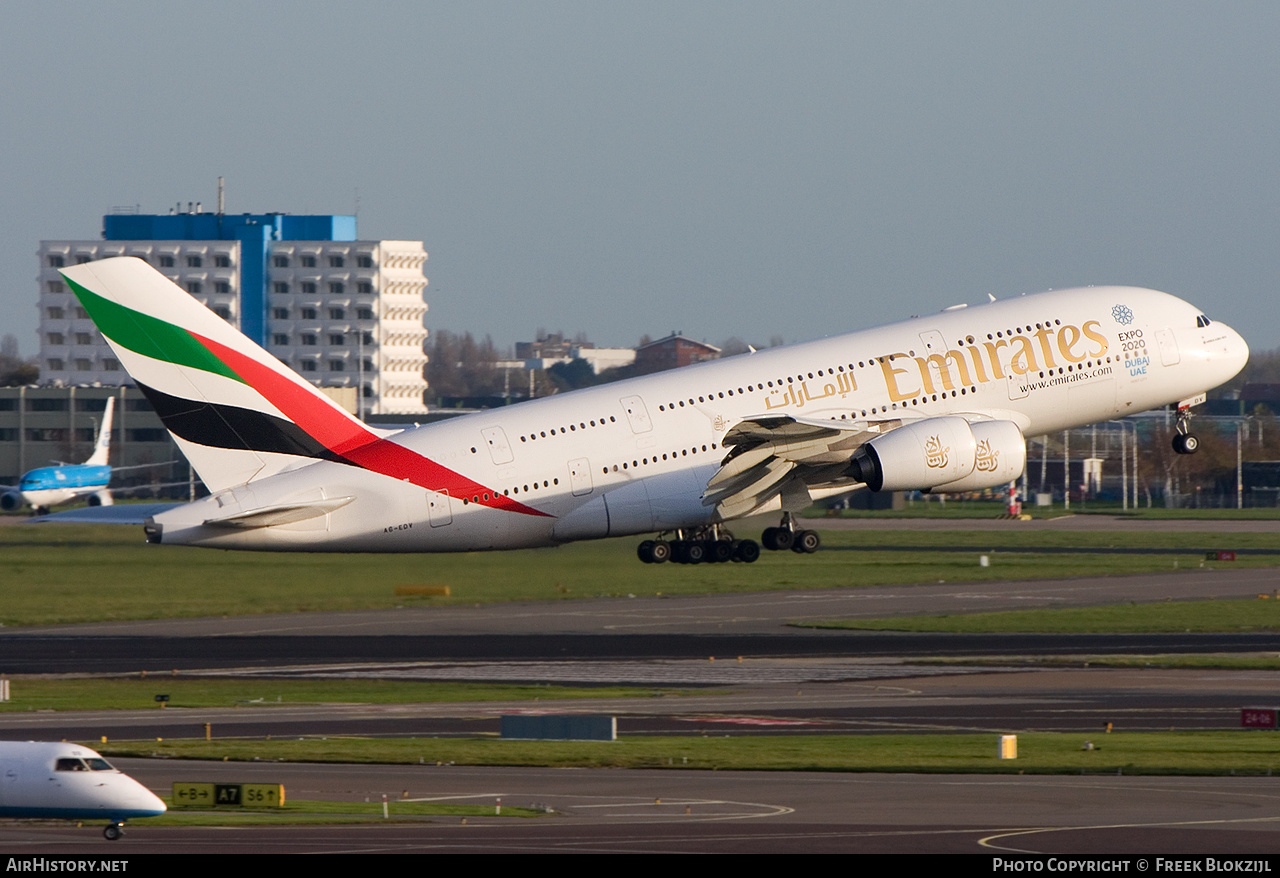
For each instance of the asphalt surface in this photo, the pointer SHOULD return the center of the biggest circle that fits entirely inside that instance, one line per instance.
(714, 812)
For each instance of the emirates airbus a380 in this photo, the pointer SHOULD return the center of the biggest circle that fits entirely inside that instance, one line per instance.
(937, 403)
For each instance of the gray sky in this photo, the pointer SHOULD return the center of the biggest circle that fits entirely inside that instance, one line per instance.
(720, 168)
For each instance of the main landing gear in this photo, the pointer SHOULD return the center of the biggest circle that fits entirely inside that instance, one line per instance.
(1184, 441)
(786, 536)
(710, 545)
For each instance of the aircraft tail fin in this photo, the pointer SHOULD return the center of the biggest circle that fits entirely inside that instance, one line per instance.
(102, 448)
(235, 411)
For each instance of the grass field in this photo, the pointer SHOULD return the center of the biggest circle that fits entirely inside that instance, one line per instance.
(138, 692)
(1221, 752)
(65, 573)
(311, 812)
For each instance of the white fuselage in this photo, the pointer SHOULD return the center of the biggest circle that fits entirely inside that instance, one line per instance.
(39, 779)
(635, 456)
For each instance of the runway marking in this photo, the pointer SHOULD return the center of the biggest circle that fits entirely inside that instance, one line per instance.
(986, 842)
(770, 810)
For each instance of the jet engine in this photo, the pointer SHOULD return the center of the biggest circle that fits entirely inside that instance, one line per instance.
(942, 454)
(10, 501)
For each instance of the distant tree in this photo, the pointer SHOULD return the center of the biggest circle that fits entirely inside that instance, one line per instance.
(15, 371)
(572, 375)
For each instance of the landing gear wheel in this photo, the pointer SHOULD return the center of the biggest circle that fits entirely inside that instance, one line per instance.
(720, 551)
(807, 542)
(1186, 443)
(748, 552)
(660, 551)
(694, 552)
(113, 832)
(777, 539)
(644, 552)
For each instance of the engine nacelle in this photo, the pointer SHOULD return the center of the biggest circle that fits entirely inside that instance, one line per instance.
(10, 501)
(942, 454)
(1000, 457)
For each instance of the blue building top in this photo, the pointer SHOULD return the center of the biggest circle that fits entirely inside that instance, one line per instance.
(228, 227)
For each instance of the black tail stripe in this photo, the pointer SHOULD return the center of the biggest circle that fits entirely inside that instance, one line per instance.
(224, 426)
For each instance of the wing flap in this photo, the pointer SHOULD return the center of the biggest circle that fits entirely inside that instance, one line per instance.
(784, 457)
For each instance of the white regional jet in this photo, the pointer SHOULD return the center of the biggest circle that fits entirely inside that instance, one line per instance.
(935, 403)
(70, 782)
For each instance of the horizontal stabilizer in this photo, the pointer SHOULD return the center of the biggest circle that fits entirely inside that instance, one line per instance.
(281, 513)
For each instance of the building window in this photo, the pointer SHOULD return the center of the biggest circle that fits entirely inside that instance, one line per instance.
(308, 339)
(337, 262)
(279, 287)
(364, 288)
(146, 434)
(83, 364)
(55, 364)
(364, 261)
(337, 339)
(54, 313)
(81, 313)
(367, 338)
(337, 288)
(308, 365)
(280, 261)
(195, 262)
(364, 313)
(82, 258)
(54, 286)
(222, 287)
(55, 338)
(223, 311)
(222, 261)
(84, 338)
(308, 262)
(308, 289)
(110, 364)
(337, 314)
(194, 287)
(166, 262)
(368, 364)
(280, 338)
(280, 313)
(308, 313)
(337, 366)
(56, 262)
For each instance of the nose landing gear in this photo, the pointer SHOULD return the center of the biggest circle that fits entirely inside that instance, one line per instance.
(1184, 441)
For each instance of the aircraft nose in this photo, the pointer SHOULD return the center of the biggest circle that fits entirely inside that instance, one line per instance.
(1235, 351)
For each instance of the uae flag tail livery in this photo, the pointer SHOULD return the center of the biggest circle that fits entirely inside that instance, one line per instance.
(237, 413)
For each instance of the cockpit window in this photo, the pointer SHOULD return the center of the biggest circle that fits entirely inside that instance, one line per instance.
(1203, 321)
(97, 763)
(68, 763)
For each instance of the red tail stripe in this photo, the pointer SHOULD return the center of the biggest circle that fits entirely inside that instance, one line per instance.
(348, 438)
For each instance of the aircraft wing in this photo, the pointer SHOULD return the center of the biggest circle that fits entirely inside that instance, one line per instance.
(785, 456)
(128, 513)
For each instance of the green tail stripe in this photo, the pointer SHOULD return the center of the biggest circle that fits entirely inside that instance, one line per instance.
(148, 336)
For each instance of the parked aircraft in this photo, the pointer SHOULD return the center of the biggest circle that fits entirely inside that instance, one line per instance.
(71, 782)
(51, 485)
(935, 403)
